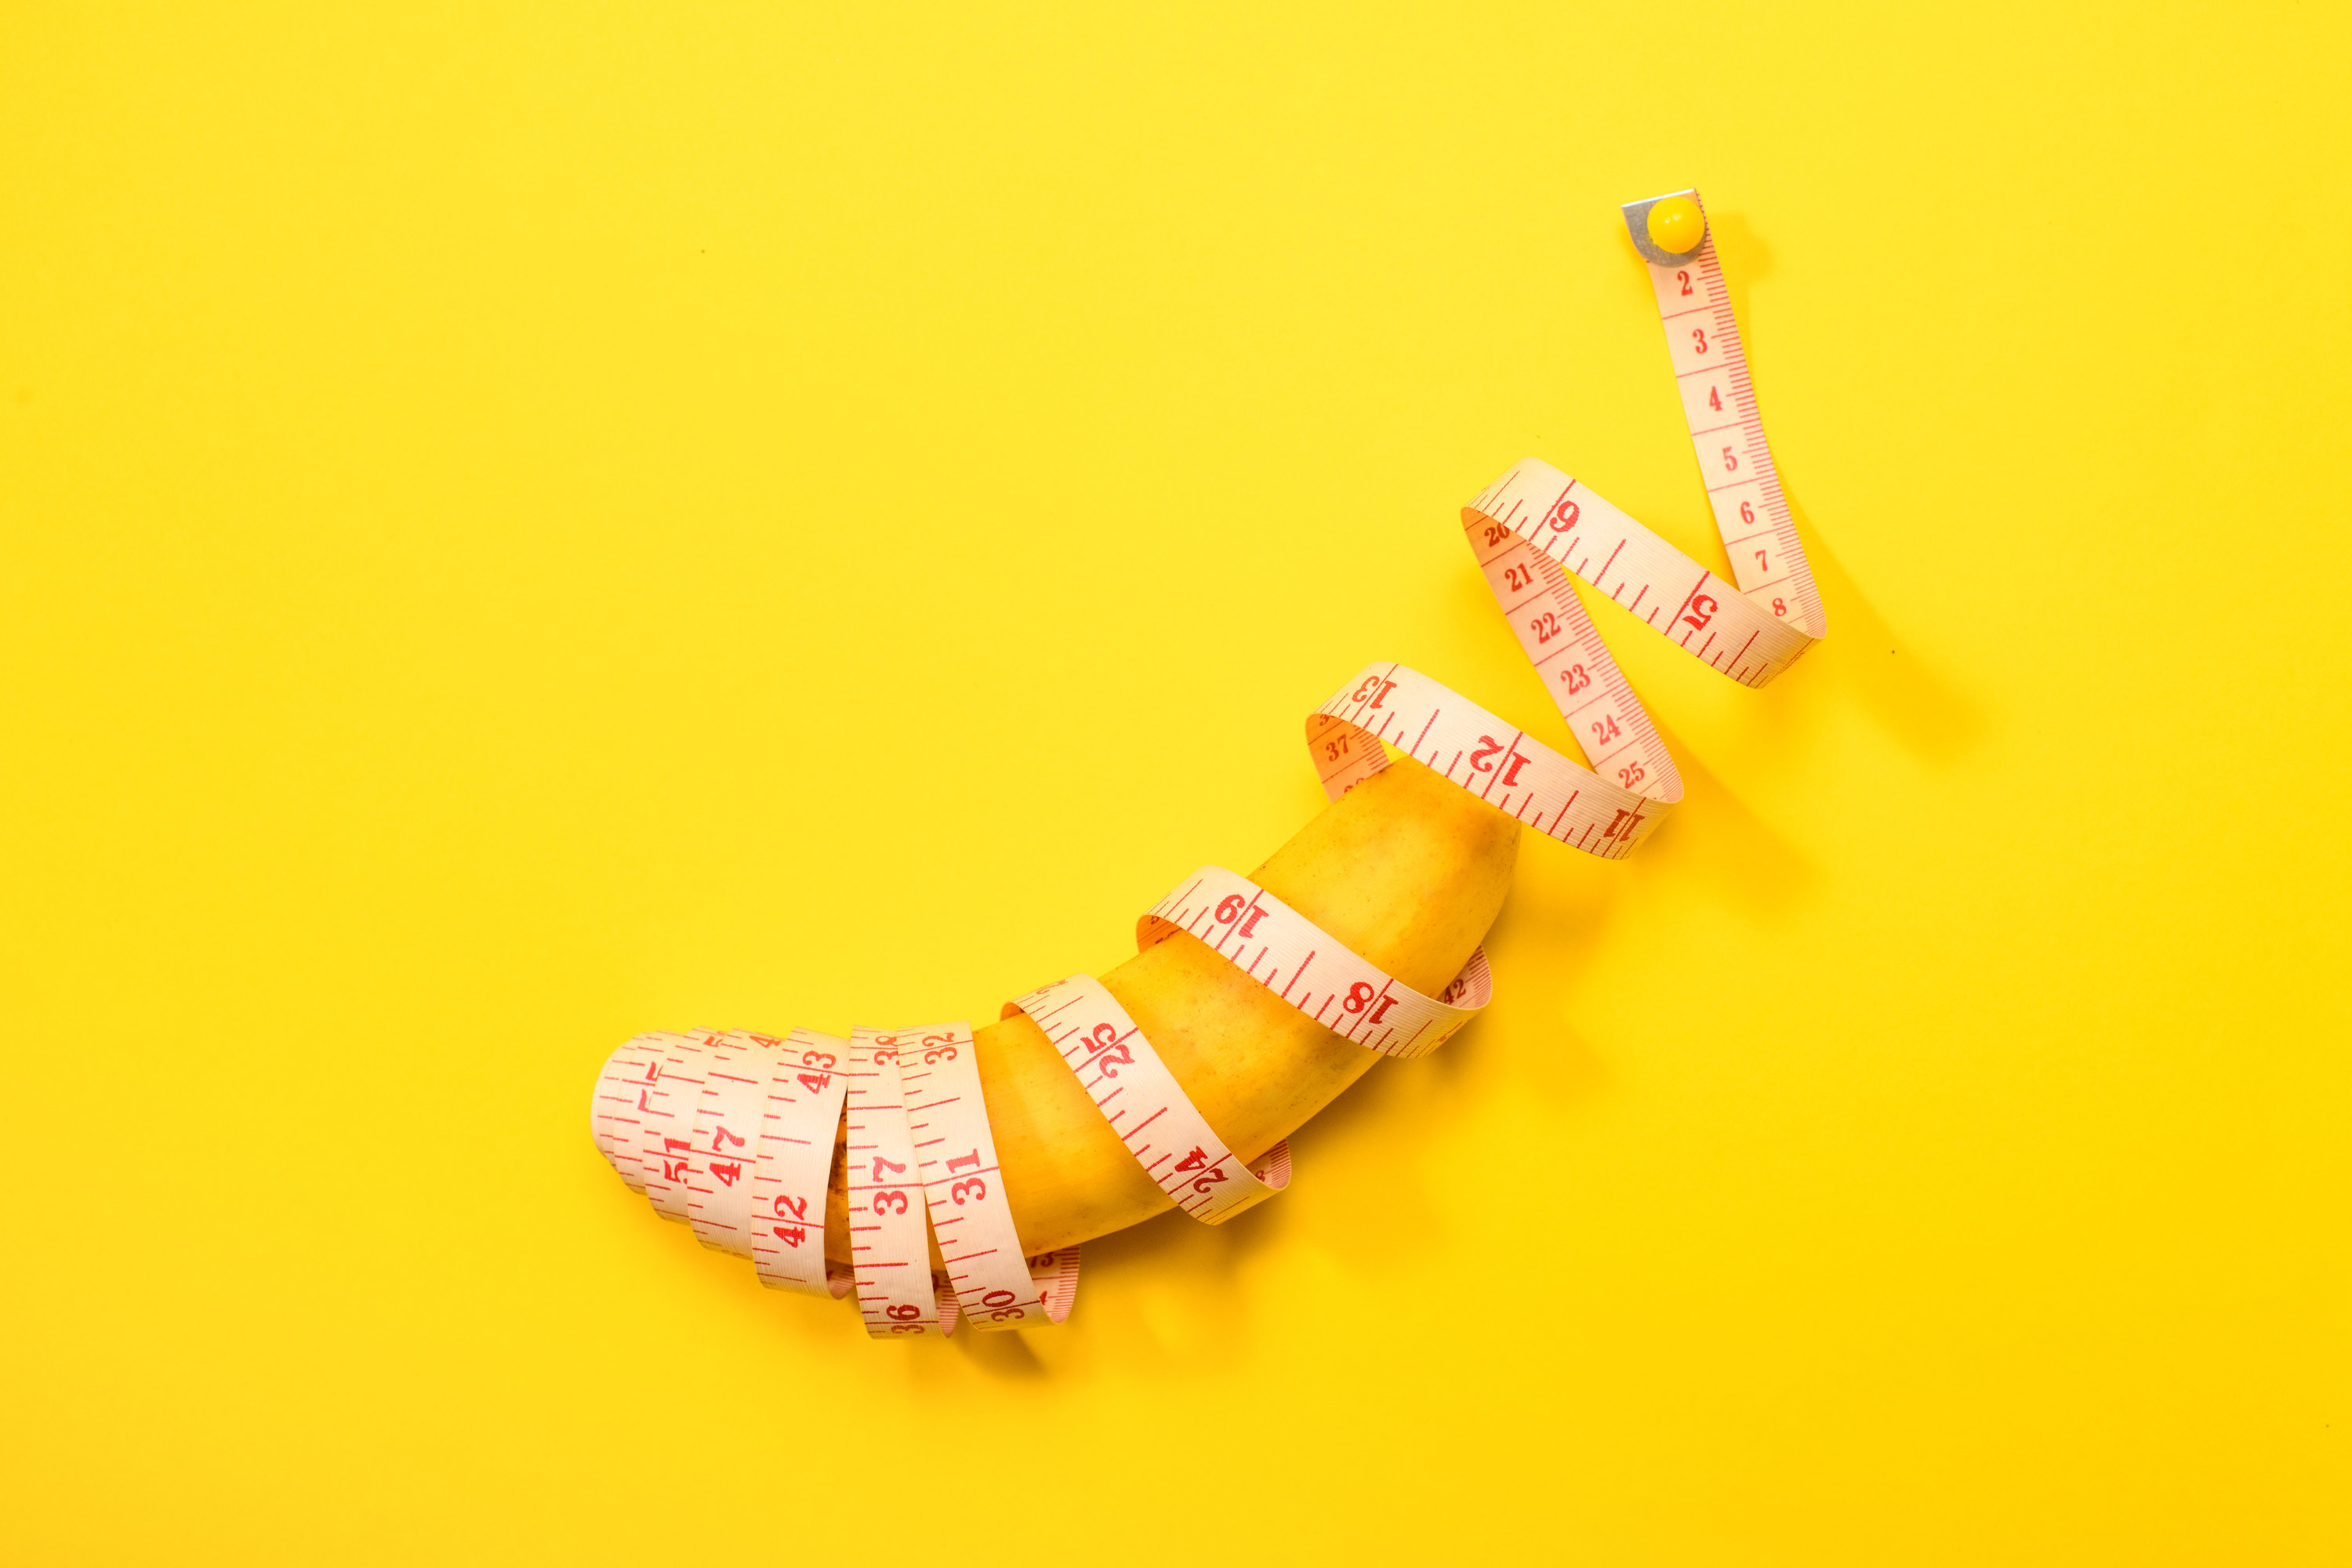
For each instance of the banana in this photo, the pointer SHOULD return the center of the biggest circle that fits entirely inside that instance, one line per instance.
(1406, 869)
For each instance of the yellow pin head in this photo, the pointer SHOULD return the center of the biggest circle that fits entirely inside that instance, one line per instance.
(1676, 226)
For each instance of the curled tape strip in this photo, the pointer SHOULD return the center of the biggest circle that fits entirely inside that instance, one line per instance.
(613, 1111)
(733, 1132)
(889, 1231)
(735, 1068)
(947, 1118)
(1144, 1103)
(800, 1115)
(1535, 527)
(1312, 970)
(667, 1101)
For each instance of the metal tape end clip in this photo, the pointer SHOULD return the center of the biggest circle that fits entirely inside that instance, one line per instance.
(1637, 223)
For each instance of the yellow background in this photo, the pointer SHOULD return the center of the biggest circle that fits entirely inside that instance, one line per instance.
(522, 527)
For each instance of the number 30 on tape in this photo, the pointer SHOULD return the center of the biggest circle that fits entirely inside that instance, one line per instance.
(733, 1132)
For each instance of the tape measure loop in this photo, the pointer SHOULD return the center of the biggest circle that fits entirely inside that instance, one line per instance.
(733, 1132)
(890, 1232)
(970, 1218)
(1154, 1118)
(736, 1069)
(800, 1119)
(1390, 705)
(1312, 970)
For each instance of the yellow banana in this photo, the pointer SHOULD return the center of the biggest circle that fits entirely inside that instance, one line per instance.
(1405, 868)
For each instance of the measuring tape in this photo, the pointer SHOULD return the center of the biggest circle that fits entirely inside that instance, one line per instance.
(1153, 1117)
(734, 1133)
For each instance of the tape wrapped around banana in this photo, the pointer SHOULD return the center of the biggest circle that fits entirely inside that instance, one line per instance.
(948, 1174)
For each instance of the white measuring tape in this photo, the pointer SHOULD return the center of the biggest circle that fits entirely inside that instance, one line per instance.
(734, 1133)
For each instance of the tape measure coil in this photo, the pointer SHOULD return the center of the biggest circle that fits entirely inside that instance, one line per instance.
(732, 1133)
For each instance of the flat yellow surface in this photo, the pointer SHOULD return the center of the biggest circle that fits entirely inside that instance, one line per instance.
(521, 528)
